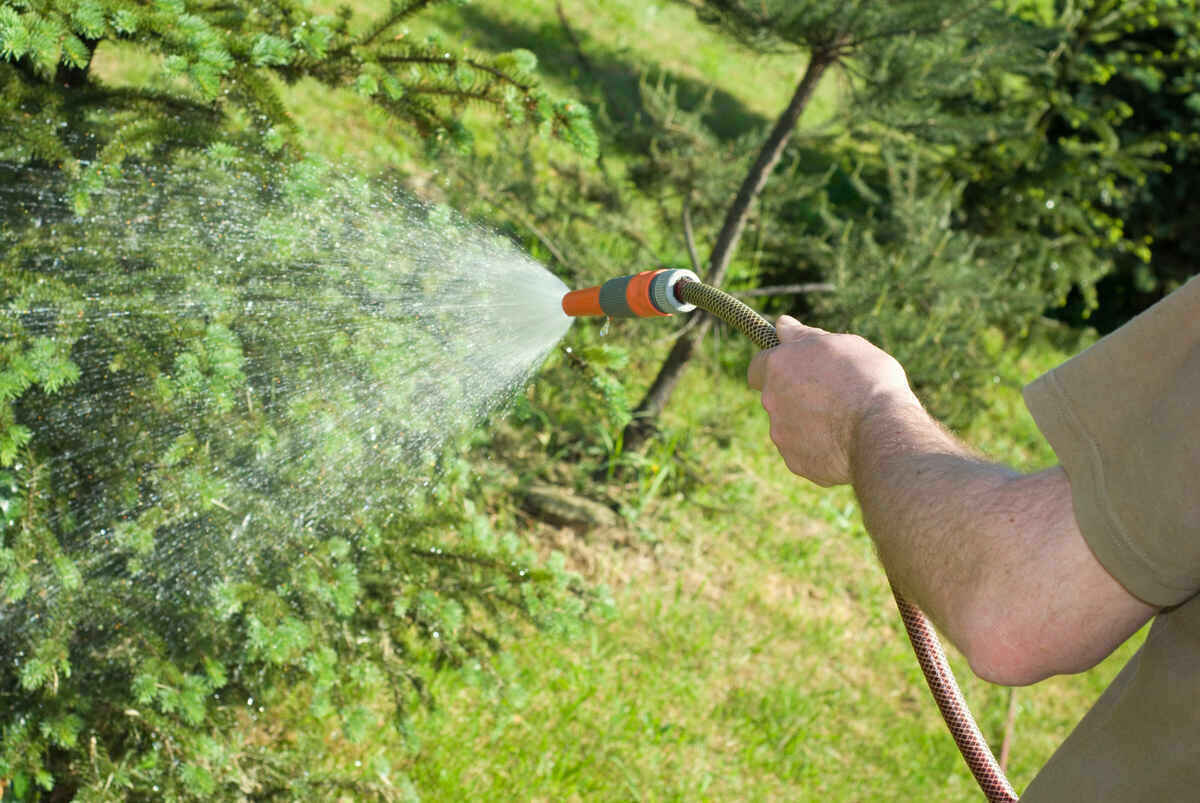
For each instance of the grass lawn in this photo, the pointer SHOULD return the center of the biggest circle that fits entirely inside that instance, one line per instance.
(756, 653)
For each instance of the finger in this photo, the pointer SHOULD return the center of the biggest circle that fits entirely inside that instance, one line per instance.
(788, 328)
(756, 374)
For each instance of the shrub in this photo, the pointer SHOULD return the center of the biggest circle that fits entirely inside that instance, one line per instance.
(225, 568)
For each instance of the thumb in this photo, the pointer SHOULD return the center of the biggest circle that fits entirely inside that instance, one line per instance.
(788, 328)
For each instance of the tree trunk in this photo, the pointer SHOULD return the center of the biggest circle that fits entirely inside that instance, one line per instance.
(651, 406)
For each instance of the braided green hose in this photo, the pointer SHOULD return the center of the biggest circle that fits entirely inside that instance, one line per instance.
(928, 649)
(730, 310)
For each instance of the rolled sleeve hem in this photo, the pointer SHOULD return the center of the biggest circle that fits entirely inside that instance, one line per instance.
(1101, 529)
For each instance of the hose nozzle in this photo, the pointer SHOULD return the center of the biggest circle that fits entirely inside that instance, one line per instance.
(639, 295)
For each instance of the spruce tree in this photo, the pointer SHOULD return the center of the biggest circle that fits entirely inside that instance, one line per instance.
(916, 94)
(913, 68)
(1106, 171)
(211, 585)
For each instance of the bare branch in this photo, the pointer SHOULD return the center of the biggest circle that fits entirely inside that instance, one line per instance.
(688, 238)
(787, 289)
(1009, 728)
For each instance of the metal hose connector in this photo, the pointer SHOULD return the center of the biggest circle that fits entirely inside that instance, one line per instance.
(925, 643)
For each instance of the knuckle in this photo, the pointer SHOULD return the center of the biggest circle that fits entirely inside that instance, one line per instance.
(795, 465)
(854, 344)
(777, 435)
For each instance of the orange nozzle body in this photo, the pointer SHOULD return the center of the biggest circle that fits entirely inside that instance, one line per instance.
(578, 303)
(640, 295)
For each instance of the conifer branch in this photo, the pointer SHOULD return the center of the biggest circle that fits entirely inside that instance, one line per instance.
(513, 574)
(397, 15)
(919, 30)
(453, 61)
(478, 95)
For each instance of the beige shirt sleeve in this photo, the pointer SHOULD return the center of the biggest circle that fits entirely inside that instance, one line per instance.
(1124, 419)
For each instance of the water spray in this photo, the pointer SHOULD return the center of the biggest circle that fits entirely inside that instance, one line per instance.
(655, 293)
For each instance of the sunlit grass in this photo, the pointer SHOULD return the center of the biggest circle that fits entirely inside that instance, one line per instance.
(756, 655)
(653, 37)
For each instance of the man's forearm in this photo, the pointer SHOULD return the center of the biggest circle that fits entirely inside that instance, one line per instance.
(992, 556)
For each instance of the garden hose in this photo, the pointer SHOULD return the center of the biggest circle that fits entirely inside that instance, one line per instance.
(662, 292)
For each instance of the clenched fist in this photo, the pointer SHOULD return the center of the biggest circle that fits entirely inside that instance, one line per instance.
(818, 388)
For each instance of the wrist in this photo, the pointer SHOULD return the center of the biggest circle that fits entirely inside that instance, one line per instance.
(892, 421)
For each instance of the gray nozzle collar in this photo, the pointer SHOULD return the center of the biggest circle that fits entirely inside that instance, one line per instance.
(662, 290)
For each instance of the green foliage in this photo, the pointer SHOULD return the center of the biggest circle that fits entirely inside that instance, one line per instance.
(1132, 77)
(924, 82)
(924, 203)
(182, 551)
(940, 299)
(215, 87)
(208, 514)
(983, 96)
(1104, 172)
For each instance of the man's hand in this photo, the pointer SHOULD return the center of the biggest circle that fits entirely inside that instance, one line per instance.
(817, 389)
(994, 557)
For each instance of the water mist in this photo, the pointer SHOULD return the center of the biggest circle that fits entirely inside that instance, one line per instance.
(223, 365)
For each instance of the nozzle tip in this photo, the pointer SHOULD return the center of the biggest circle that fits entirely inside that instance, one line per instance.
(582, 302)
